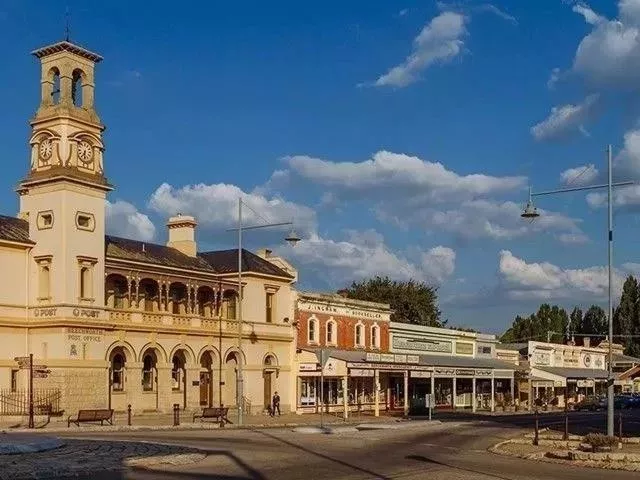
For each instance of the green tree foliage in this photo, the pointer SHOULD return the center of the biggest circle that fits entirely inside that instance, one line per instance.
(626, 317)
(594, 322)
(411, 301)
(538, 325)
(575, 321)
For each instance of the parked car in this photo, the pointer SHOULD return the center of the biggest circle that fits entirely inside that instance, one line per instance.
(591, 403)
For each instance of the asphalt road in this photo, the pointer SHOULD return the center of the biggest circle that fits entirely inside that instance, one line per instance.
(454, 450)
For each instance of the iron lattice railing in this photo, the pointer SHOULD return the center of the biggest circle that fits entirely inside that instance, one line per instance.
(46, 401)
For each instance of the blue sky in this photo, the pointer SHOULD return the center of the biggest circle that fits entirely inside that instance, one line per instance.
(400, 137)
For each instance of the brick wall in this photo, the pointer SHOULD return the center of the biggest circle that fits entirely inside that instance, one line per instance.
(345, 328)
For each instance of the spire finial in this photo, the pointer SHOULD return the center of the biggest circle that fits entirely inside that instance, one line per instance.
(67, 27)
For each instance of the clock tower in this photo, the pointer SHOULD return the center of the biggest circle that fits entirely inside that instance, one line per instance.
(63, 195)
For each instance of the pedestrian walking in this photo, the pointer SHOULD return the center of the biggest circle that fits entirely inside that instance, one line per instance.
(276, 404)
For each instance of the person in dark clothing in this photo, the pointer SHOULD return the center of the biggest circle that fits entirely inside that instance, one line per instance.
(276, 404)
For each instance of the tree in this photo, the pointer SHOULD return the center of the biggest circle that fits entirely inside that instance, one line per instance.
(575, 321)
(594, 322)
(626, 317)
(548, 323)
(411, 301)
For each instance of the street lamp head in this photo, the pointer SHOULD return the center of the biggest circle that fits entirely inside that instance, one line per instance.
(530, 211)
(293, 238)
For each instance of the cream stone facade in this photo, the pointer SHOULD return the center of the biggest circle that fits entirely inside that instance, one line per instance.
(117, 321)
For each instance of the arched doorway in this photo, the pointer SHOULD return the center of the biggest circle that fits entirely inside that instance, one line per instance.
(150, 374)
(206, 379)
(118, 358)
(231, 379)
(179, 375)
(268, 371)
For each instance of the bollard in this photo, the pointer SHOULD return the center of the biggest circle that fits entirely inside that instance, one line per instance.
(221, 418)
(566, 426)
(176, 414)
(536, 431)
(620, 429)
(129, 414)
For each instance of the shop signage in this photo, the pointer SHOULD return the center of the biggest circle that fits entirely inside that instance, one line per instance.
(389, 357)
(383, 366)
(463, 348)
(420, 374)
(587, 360)
(308, 367)
(541, 358)
(585, 383)
(462, 372)
(311, 306)
(359, 372)
(422, 344)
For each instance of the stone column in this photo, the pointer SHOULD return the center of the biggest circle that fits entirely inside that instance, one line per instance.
(493, 392)
(473, 394)
(163, 388)
(133, 385)
(406, 393)
(376, 393)
(129, 288)
(345, 395)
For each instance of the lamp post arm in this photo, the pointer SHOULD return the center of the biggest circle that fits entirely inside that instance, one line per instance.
(255, 227)
(578, 189)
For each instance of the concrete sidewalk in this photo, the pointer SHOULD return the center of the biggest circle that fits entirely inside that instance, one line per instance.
(165, 422)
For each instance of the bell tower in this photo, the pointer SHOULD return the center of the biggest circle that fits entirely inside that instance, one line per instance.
(63, 194)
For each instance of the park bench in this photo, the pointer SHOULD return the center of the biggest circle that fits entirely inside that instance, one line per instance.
(218, 413)
(94, 415)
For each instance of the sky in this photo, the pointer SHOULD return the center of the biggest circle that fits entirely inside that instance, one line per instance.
(400, 137)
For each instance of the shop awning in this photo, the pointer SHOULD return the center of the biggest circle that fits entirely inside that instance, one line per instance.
(569, 373)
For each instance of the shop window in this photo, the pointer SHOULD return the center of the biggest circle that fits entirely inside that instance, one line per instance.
(307, 391)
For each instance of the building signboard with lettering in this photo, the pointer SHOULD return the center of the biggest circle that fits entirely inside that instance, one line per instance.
(422, 344)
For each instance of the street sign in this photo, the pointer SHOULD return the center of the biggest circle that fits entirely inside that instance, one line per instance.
(39, 367)
(42, 370)
(323, 358)
(40, 374)
(21, 359)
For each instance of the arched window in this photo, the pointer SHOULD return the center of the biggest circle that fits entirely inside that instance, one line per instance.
(332, 333)
(54, 78)
(76, 88)
(359, 336)
(177, 372)
(148, 372)
(375, 336)
(117, 372)
(313, 331)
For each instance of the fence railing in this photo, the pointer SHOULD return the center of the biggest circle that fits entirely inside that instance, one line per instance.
(46, 401)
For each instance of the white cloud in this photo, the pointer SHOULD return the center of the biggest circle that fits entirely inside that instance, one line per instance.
(610, 54)
(626, 197)
(216, 206)
(365, 254)
(124, 220)
(520, 280)
(554, 78)
(579, 176)
(589, 15)
(565, 119)
(398, 175)
(573, 238)
(439, 41)
(488, 7)
(473, 219)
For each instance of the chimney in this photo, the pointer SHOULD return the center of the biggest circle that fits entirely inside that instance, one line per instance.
(182, 229)
(586, 342)
(264, 253)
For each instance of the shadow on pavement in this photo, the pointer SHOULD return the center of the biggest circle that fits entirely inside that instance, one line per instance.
(325, 457)
(420, 458)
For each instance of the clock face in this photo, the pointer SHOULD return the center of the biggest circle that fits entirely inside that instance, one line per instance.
(45, 150)
(85, 152)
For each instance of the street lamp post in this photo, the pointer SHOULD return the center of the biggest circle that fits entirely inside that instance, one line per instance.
(531, 212)
(292, 239)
